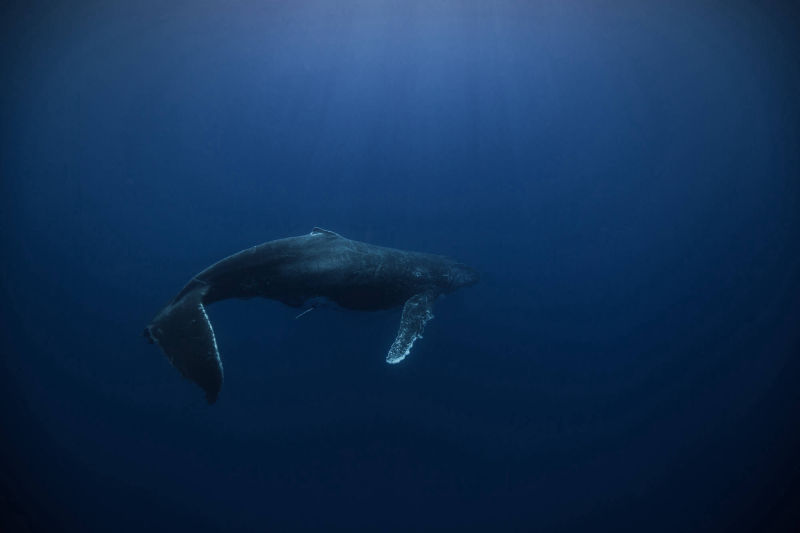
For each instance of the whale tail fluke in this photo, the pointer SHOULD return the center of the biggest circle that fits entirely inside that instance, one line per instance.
(184, 334)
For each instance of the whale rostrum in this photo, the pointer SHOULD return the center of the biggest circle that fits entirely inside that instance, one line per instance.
(296, 270)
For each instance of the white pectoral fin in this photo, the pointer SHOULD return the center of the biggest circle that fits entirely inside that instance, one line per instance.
(416, 312)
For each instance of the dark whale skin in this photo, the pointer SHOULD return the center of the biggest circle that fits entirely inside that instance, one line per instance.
(355, 275)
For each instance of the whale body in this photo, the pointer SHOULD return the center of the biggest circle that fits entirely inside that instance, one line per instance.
(297, 270)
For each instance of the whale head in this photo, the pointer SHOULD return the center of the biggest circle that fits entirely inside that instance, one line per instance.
(457, 275)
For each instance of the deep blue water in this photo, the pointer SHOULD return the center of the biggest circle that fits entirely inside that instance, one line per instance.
(625, 175)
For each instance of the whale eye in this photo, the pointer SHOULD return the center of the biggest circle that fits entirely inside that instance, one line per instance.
(417, 273)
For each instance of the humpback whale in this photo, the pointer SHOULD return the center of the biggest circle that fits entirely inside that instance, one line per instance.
(296, 270)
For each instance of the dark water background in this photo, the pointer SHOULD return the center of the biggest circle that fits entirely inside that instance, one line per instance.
(624, 174)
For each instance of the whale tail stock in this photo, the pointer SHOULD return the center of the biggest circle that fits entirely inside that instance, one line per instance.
(183, 332)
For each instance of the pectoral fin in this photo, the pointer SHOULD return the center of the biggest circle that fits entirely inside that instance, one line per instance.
(416, 312)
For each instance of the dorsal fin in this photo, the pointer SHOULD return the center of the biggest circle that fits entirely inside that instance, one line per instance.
(320, 231)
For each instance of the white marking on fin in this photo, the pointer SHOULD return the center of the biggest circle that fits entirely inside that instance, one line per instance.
(213, 336)
(304, 312)
(416, 313)
(320, 231)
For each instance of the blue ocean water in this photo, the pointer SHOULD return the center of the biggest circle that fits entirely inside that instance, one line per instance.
(625, 175)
